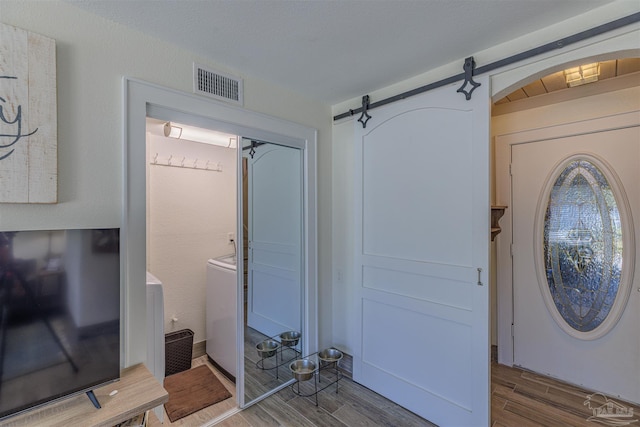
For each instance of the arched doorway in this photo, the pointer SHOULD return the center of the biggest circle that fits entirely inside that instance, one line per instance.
(594, 52)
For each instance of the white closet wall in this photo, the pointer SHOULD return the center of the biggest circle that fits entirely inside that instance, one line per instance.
(190, 213)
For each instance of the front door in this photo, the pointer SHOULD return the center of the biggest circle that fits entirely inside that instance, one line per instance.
(576, 299)
(422, 240)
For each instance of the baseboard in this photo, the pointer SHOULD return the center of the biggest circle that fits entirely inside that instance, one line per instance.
(222, 370)
(199, 349)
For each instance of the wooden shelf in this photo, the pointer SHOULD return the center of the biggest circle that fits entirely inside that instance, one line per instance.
(496, 214)
(138, 391)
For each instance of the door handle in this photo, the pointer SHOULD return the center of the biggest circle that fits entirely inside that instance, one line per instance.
(480, 281)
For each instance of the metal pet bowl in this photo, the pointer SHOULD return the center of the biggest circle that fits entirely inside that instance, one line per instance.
(267, 348)
(290, 338)
(302, 369)
(330, 355)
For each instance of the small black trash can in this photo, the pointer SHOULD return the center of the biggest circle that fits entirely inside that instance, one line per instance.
(178, 349)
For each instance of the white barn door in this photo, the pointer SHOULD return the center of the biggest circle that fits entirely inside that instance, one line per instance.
(422, 255)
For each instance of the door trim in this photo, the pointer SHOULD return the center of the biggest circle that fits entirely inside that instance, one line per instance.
(503, 144)
(137, 97)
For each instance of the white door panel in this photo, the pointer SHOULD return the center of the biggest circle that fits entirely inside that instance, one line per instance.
(397, 167)
(422, 239)
(540, 344)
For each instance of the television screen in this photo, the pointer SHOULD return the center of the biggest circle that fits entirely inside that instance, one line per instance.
(59, 314)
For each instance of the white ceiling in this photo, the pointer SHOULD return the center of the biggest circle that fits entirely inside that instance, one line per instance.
(333, 50)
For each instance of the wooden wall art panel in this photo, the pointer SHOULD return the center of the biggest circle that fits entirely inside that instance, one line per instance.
(28, 117)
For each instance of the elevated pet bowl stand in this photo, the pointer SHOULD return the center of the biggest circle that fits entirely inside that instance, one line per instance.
(260, 364)
(330, 365)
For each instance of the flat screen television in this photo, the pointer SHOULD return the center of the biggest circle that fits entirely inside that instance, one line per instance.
(59, 314)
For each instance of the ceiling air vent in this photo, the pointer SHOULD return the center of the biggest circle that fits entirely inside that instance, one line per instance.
(217, 85)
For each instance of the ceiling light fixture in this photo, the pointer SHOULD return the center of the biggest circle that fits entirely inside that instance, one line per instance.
(205, 136)
(583, 74)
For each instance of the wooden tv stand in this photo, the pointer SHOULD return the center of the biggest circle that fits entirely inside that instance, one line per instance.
(138, 391)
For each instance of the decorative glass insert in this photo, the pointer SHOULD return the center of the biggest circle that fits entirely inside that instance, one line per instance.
(583, 245)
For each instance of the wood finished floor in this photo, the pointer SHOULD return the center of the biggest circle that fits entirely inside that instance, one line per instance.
(523, 398)
(205, 415)
(259, 381)
(353, 405)
(518, 399)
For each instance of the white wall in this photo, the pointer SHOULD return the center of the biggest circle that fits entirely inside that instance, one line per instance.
(92, 56)
(190, 214)
(342, 190)
(591, 107)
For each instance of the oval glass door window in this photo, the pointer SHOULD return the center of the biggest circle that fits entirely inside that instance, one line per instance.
(583, 249)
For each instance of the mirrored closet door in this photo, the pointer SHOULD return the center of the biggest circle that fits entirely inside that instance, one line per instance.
(273, 267)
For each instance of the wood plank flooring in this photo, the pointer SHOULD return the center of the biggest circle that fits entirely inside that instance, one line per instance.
(518, 399)
(207, 414)
(259, 381)
(352, 405)
(523, 398)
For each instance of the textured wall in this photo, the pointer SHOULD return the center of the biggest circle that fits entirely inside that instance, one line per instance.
(190, 214)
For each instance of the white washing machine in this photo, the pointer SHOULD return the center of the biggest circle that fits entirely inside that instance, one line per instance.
(155, 333)
(221, 328)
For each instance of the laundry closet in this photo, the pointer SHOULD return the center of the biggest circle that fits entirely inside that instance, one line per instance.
(191, 228)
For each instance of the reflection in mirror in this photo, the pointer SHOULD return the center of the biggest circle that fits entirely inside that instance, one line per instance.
(272, 203)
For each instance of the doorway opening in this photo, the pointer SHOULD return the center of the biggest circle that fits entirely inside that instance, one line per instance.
(145, 100)
(525, 118)
(191, 223)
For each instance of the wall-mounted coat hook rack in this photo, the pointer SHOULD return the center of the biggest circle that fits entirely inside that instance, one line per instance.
(185, 163)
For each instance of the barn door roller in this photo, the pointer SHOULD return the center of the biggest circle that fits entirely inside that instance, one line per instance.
(468, 67)
(365, 115)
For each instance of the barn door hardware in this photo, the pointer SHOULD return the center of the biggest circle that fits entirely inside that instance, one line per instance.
(513, 59)
(365, 108)
(468, 67)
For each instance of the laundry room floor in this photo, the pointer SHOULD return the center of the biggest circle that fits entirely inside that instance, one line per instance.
(204, 415)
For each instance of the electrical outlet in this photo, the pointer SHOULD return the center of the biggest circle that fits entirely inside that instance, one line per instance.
(231, 237)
